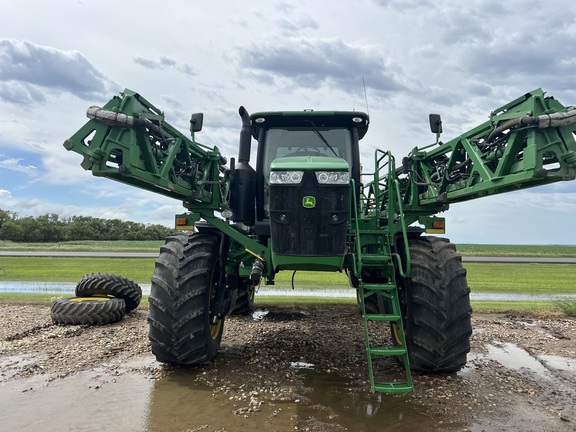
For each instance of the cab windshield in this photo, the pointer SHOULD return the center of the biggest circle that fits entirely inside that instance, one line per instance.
(310, 141)
(304, 141)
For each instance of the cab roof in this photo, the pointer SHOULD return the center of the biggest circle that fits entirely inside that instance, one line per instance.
(321, 119)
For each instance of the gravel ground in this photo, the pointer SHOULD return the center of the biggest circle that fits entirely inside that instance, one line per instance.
(521, 372)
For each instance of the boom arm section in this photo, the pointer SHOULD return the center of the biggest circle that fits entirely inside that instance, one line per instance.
(527, 142)
(128, 140)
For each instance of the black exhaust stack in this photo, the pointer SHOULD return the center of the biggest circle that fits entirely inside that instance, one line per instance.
(243, 177)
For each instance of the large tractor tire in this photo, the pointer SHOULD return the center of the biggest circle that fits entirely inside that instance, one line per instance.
(98, 284)
(181, 295)
(245, 299)
(87, 310)
(436, 307)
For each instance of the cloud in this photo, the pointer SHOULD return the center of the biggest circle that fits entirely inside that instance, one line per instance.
(21, 93)
(29, 69)
(5, 194)
(13, 164)
(317, 62)
(164, 63)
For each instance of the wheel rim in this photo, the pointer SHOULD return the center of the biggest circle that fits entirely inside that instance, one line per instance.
(397, 338)
(89, 299)
(215, 329)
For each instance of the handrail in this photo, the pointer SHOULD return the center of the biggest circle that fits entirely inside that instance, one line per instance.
(403, 273)
(394, 194)
(354, 209)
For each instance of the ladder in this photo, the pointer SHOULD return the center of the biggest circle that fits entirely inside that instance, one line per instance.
(383, 320)
(374, 231)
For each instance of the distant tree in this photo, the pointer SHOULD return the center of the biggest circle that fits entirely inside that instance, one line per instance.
(12, 230)
(51, 228)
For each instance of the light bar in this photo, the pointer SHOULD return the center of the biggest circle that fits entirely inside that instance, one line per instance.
(286, 177)
(333, 177)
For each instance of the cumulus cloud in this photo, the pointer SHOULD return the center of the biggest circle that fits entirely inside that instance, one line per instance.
(28, 70)
(164, 63)
(5, 194)
(317, 62)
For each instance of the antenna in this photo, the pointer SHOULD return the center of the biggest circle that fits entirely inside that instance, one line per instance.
(365, 95)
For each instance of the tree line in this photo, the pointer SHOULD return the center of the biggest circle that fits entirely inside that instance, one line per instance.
(53, 228)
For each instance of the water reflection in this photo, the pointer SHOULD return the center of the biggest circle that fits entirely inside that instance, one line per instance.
(67, 288)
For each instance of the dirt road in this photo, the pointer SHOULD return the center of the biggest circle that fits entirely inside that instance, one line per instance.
(283, 369)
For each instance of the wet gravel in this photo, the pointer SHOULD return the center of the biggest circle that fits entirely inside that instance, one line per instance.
(521, 372)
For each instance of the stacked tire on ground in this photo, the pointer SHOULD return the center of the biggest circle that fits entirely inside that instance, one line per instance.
(101, 298)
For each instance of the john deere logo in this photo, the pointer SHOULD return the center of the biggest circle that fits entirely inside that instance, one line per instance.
(309, 202)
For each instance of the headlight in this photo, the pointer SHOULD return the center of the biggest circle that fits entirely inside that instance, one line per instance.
(332, 177)
(286, 177)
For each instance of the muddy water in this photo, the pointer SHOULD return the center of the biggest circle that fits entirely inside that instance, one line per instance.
(133, 400)
(97, 401)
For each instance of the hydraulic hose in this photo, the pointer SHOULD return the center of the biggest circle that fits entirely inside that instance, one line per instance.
(559, 119)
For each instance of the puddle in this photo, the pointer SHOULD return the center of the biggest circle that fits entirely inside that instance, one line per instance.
(258, 315)
(12, 366)
(515, 358)
(67, 288)
(96, 400)
(83, 402)
(301, 365)
(333, 404)
(559, 363)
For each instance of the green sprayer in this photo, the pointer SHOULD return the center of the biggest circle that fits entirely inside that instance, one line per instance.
(307, 205)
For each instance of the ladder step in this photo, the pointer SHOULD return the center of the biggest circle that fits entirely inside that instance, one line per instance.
(388, 351)
(382, 317)
(375, 259)
(393, 387)
(378, 287)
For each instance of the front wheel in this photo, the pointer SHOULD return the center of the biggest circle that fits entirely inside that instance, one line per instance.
(181, 295)
(436, 307)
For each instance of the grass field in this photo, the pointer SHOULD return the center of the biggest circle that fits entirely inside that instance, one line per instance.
(154, 245)
(532, 279)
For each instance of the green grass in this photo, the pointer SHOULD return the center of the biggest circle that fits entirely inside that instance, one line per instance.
(522, 278)
(86, 246)
(154, 245)
(49, 269)
(528, 307)
(568, 307)
(548, 251)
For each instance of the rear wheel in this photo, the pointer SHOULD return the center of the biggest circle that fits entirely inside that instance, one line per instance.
(109, 284)
(182, 292)
(87, 310)
(436, 307)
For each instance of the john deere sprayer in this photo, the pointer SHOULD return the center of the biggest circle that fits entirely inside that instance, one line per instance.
(305, 204)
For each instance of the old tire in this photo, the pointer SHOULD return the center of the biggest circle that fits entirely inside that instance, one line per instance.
(87, 310)
(245, 299)
(181, 295)
(436, 307)
(98, 284)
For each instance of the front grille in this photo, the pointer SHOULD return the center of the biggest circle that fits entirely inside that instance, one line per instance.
(318, 231)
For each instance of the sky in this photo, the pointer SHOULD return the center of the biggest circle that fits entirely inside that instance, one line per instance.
(398, 60)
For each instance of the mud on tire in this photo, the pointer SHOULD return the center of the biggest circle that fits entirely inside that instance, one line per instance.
(181, 294)
(436, 306)
(98, 284)
(87, 310)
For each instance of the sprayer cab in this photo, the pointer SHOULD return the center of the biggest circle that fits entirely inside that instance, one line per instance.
(314, 140)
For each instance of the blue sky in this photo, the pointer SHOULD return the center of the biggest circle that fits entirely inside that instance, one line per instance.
(459, 59)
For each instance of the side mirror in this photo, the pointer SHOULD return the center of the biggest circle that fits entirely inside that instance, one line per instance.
(196, 122)
(435, 123)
